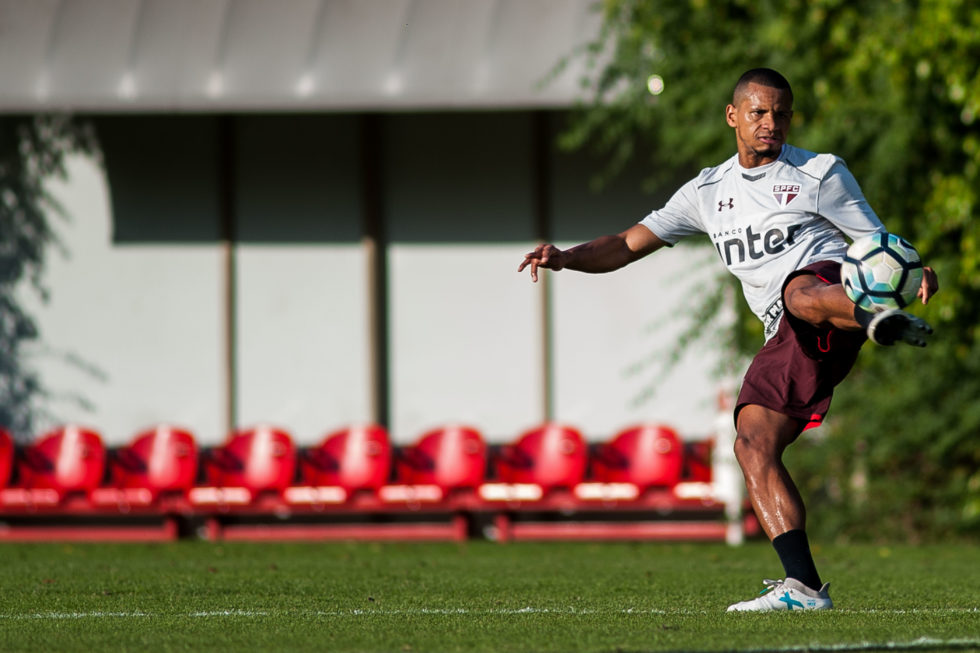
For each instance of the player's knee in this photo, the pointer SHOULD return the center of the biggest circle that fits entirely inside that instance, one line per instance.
(802, 299)
(753, 448)
(797, 302)
(744, 449)
(743, 445)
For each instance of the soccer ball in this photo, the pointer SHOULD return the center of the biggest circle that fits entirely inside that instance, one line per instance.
(880, 272)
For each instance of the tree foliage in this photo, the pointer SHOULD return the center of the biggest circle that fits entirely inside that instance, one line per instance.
(894, 88)
(32, 150)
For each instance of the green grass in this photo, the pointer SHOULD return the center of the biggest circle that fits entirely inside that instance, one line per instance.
(477, 596)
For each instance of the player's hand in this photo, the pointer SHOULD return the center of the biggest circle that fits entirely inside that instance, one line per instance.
(930, 285)
(544, 256)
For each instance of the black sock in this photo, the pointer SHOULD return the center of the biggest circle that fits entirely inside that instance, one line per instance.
(793, 549)
(863, 317)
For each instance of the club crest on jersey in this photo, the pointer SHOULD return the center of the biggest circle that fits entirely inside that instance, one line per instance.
(785, 193)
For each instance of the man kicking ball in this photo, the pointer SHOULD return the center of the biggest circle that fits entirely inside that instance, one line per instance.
(778, 217)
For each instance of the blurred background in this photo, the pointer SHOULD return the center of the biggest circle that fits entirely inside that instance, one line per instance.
(310, 213)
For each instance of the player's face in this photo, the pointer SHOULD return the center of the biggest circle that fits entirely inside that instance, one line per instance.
(761, 120)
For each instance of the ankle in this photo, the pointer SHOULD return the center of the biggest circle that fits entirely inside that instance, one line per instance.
(793, 549)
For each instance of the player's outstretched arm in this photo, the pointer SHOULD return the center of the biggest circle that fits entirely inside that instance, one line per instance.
(604, 254)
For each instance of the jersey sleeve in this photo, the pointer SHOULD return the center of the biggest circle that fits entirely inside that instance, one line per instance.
(678, 218)
(842, 203)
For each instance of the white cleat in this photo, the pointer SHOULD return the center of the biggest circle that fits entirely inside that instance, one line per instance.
(891, 326)
(789, 594)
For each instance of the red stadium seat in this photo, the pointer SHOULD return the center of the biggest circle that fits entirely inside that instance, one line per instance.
(448, 457)
(697, 461)
(551, 455)
(647, 456)
(162, 459)
(7, 453)
(257, 459)
(354, 458)
(66, 460)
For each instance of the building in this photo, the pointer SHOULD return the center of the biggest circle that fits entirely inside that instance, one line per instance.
(311, 213)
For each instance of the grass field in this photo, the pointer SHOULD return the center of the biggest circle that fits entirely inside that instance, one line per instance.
(477, 596)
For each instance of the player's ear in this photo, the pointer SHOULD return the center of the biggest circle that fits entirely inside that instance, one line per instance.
(730, 115)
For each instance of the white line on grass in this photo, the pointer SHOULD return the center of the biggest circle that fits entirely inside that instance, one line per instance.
(77, 615)
(383, 612)
(924, 643)
(229, 613)
(369, 612)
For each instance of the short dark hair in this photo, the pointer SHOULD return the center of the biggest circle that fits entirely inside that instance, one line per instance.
(764, 76)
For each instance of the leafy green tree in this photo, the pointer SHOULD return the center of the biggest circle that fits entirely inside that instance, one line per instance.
(32, 150)
(894, 88)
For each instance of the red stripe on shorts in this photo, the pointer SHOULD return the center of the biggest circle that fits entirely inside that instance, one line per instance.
(815, 420)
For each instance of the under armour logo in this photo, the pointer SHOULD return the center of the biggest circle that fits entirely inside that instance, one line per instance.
(730, 204)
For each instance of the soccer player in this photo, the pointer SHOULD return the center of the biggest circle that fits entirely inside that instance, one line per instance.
(777, 216)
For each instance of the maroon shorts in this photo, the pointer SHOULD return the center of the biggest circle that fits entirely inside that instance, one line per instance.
(796, 371)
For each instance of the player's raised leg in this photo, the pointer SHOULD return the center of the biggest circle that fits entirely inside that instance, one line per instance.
(824, 304)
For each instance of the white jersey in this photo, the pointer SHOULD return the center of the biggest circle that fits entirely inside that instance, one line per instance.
(768, 221)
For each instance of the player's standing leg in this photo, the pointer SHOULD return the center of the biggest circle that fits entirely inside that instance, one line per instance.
(763, 436)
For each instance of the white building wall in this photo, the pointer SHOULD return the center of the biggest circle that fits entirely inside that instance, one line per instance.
(132, 335)
(613, 339)
(302, 287)
(302, 345)
(465, 340)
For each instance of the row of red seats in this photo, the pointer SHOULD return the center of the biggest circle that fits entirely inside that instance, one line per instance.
(168, 459)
